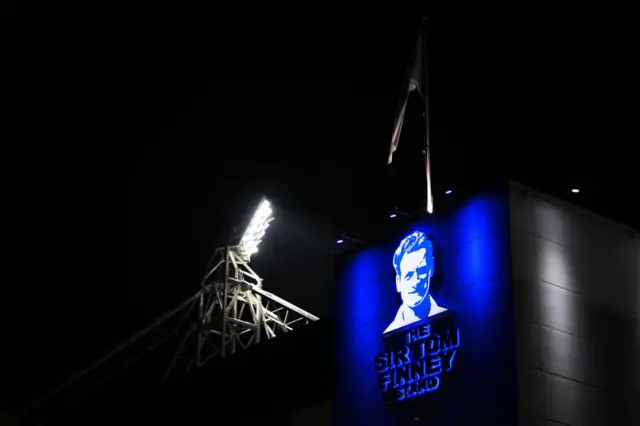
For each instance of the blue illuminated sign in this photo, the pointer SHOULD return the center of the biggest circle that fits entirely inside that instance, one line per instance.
(414, 265)
(416, 368)
(414, 365)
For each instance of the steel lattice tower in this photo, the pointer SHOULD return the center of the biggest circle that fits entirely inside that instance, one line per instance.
(234, 312)
(230, 312)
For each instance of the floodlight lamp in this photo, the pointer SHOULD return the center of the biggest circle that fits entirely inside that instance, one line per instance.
(256, 229)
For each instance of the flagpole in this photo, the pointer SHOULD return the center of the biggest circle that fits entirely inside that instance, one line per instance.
(427, 138)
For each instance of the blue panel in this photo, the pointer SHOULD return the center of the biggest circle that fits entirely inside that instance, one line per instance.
(452, 270)
(364, 299)
(479, 217)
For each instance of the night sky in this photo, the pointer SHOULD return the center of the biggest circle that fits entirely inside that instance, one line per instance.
(153, 140)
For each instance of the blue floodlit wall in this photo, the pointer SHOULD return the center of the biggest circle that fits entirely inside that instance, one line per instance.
(472, 279)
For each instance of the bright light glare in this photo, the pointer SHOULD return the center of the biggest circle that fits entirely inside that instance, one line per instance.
(392, 215)
(340, 241)
(257, 228)
(448, 191)
(575, 190)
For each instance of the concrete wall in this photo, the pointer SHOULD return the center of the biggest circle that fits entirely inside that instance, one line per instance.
(576, 280)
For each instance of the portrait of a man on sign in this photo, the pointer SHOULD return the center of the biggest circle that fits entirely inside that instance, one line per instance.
(413, 262)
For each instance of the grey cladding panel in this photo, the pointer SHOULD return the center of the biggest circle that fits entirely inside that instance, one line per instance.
(563, 310)
(551, 222)
(555, 264)
(521, 211)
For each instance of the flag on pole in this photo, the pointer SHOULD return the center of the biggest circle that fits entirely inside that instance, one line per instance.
(416, 79)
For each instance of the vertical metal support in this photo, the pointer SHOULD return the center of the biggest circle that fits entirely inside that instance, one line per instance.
(425, 93)
(260, 316)
(234, 308)
(224, 300)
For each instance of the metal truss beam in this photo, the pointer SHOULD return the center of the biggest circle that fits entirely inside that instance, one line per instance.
(234, 313)
(230, 312)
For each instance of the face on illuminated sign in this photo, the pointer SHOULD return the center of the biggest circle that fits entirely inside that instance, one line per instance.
(414, 265)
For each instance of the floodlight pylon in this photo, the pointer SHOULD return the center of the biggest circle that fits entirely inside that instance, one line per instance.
(234, 312)
(230, 312)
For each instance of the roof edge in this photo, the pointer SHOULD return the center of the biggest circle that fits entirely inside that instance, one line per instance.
(575, 208)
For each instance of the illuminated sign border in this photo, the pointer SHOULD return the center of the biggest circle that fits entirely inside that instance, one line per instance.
(415, 366)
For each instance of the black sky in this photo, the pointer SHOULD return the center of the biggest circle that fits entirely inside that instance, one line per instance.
(151, 139)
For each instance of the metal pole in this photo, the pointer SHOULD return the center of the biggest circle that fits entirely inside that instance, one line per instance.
(259, 317)
(224, 300)
(425, 89)
(235, 316)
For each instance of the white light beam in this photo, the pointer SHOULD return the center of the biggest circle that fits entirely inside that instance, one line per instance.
(256, 229)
